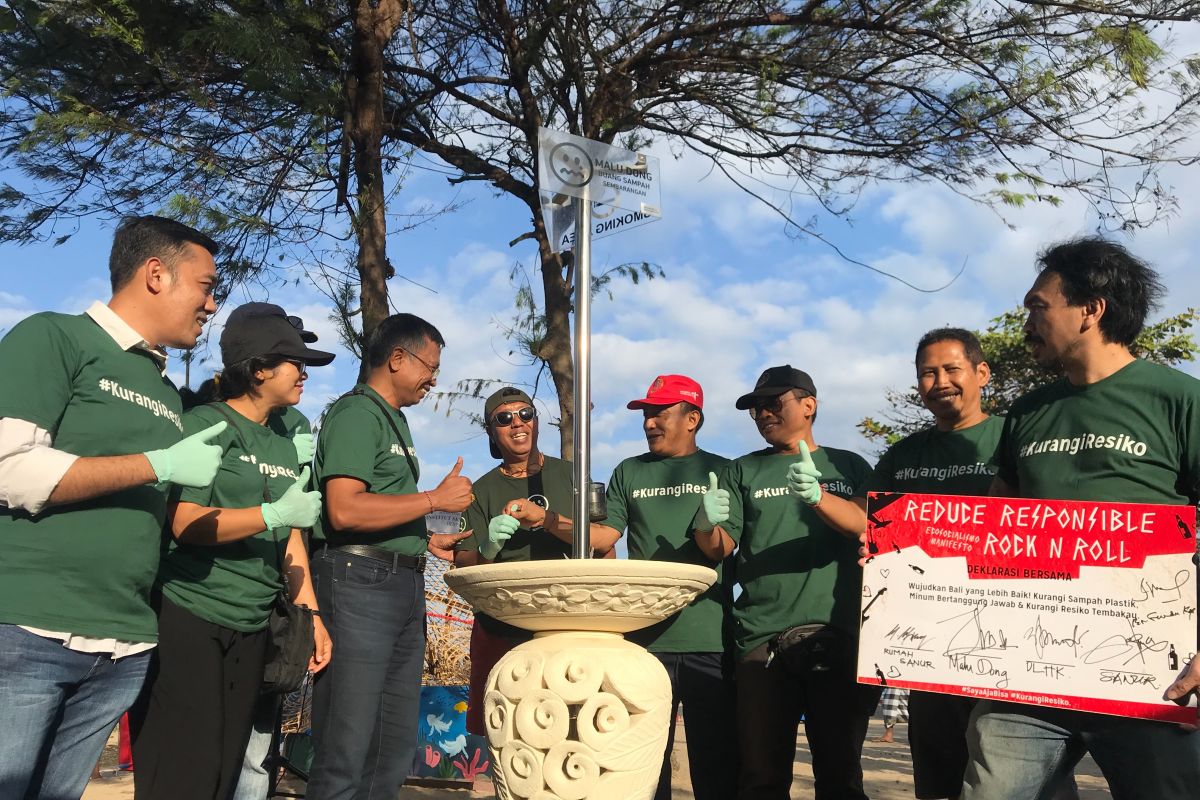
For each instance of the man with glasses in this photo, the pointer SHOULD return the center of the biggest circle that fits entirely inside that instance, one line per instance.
(369, 560)
(519, 513)
(786, 508)
(655, 496)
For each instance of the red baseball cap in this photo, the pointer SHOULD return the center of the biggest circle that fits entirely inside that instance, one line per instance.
(667, 390)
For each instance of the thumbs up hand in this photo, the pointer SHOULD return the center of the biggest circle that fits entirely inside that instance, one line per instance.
(297, 508)
(804, 479)
(454, 492)
(714, 506)
(191, 461)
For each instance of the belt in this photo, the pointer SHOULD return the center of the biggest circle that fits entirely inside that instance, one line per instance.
(397, 561)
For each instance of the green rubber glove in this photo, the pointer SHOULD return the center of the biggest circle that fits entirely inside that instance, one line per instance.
(296, 509)
(804, 479)
(714, 506)
(499, 531)
(303, 443)
(191, 461)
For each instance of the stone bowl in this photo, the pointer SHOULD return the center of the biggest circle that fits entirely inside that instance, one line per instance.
(610, 595)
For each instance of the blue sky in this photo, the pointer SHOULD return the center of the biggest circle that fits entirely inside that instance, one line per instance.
(739, 295)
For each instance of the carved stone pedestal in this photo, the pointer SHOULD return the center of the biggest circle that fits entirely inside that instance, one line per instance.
(578, 712)
(574, 715)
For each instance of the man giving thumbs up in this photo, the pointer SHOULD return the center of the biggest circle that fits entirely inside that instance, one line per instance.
(796, 618)
(368, 574)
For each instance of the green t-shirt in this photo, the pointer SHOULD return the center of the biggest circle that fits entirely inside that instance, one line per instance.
(85, 568)
(1133, 437)
(288, 421)
(357, 441)
(233, 584)
(792, 567)
(939, 462)
(656, 500)
(551, 488)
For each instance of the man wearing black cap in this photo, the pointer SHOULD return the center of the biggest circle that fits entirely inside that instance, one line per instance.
(91, 433)
(369, 571)
(654, 496)
(517, 514)
(787, 509)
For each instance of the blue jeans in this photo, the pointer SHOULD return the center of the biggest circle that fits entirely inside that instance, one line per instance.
(253, 781)
(1020, 752)
(57, 707)
(366, 702)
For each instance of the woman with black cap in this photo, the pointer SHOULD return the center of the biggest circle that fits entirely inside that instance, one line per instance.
(224, 564)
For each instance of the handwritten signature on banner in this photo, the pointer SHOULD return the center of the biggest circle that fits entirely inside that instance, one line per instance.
(1079, 605)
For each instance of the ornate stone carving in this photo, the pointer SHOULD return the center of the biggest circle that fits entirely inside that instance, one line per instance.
(578, 712)
(592, 594)
(557, 598)
(577, 715)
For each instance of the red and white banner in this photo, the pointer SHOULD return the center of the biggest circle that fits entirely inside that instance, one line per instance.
(1080, 605)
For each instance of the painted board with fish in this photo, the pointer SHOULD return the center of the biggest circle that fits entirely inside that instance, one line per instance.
(445, 750)
(1080, 605)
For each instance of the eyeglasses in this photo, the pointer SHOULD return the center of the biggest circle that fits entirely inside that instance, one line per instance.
(300, 366)
(505, 418)
(433, 371)
(772, 404)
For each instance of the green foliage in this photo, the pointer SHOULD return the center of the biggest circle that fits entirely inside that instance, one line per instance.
(241, 116)
(1014, 372)
(218, 115)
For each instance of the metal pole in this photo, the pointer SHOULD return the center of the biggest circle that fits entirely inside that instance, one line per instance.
(581, 540)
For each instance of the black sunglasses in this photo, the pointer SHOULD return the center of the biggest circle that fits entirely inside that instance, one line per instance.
(297, 363)
(775, 404)
(504, 418)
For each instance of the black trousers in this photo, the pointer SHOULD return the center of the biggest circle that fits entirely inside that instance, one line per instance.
(836, 708)
(191, 724)
(937, 736)
(702, 683)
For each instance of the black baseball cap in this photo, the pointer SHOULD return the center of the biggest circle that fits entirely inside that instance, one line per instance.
(509, 394)
(307, 336)
(263, 329)
(775, 381)
(498, 398)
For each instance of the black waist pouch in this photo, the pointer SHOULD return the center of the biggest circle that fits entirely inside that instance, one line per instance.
(811, 648)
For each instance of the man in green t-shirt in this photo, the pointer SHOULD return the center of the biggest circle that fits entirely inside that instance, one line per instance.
(1112, 428)
(654, 496)
(369, 566)
(519, 512)
(787, 509)
(950, 457)
(90, 436)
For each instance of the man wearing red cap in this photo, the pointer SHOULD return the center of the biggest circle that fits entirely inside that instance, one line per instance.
(787, 508)
(655, 496)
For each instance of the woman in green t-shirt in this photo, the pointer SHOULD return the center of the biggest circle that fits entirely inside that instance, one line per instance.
(233, 546)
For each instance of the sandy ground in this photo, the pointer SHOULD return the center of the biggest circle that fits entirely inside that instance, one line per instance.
(887, 769)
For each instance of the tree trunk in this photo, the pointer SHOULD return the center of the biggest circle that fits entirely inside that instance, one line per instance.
(374, 24)
(555, 349)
